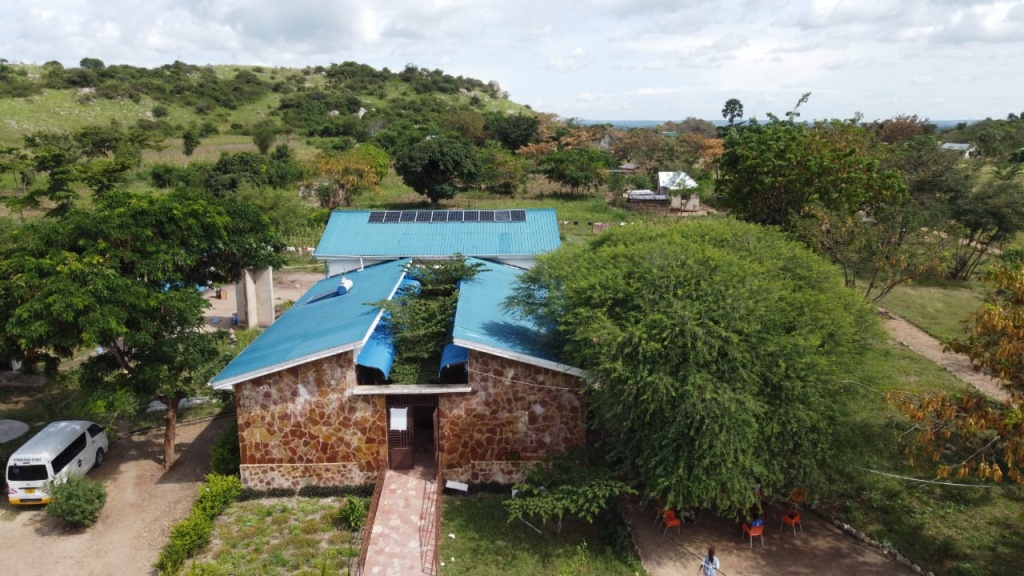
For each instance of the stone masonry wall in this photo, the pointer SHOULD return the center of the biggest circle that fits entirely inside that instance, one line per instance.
(515, 415)
(301, 426)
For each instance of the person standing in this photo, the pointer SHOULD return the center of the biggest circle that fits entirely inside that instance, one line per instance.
(709, 565)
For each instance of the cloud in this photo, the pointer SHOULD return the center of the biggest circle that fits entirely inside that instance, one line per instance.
(574, 62)
(995, 22)
(604, 58)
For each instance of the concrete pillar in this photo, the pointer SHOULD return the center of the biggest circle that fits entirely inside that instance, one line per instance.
(255, 297)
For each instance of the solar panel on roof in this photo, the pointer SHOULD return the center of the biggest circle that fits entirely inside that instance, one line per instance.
(409, 216)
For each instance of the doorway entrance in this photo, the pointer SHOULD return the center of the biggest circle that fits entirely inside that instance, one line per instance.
(412, 431)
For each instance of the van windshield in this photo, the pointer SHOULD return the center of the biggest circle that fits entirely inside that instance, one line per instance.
(33, 473)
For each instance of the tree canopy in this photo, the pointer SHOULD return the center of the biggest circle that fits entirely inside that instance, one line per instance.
(712, 351)
(732, 110)
(434, 166)
(123, 276)
(970, 434)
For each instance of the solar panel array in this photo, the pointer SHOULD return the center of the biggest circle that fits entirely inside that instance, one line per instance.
(430, 216)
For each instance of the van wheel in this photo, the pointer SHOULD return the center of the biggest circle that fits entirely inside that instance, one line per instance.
(99, 458)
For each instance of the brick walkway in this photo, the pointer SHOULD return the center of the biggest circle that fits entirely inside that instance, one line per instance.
(402, 540)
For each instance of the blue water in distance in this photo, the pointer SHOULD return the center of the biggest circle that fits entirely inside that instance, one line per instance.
(624, 124)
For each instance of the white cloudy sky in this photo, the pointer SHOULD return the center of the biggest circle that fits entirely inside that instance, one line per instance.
(592, 59)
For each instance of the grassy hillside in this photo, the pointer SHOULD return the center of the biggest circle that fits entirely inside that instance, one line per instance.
(36, 98)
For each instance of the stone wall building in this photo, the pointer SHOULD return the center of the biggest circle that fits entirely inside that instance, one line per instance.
(304, 418)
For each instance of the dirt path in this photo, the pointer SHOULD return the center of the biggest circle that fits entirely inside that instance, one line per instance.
(820, 550)
(142, 504)
(959, 365)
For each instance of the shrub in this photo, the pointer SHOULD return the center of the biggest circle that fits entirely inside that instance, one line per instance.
(192, 534)
(225, 455)
(187, 538)
(78, 501)
(352, 516)
(159, 111)
(216, 495)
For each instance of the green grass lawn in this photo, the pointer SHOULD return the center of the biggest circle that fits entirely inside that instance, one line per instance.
(295, 536)
(938, 308)
(486, 544)
(955, 531)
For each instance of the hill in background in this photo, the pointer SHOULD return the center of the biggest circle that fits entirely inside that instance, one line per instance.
(348, 101)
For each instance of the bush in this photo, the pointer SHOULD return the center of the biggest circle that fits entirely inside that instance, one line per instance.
(78, 501)
(216, 495)
(352, 516)
(187, 538)
(225, 455)
(192, 534)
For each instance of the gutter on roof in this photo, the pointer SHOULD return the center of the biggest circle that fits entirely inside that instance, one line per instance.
(227, 383)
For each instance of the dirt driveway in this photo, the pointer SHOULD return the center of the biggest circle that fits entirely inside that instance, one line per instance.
(142, 504)
(142, 501)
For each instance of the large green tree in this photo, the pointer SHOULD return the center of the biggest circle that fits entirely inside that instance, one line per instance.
(577, 169)
(712, 351)
(772, 170)
(122, 276)
(987, 215)
(435, 166)
(100, 157)
(513, 130)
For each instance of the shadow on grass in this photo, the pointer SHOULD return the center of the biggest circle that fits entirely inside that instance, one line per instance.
(486, 543)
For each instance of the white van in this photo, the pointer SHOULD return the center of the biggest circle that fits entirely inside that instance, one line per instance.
(60, 449)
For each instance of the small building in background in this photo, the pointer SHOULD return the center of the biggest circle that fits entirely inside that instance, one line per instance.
(965, 150)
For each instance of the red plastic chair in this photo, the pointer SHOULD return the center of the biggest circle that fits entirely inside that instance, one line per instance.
(798, 496)
(793, 519)
(667, 516)
(671, 521)
(753, 532)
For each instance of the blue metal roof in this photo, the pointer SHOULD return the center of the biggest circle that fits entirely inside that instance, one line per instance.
(481, 323)
(379, 350)
(351, 233)
(451, 355)
(321, 323)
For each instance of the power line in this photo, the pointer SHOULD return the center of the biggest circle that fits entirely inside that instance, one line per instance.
(925, 481)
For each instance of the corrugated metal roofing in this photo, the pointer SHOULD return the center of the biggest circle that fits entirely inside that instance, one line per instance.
(319, 324)
(350, 233)
(482, 324)
(959, 147)
(675, 181)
